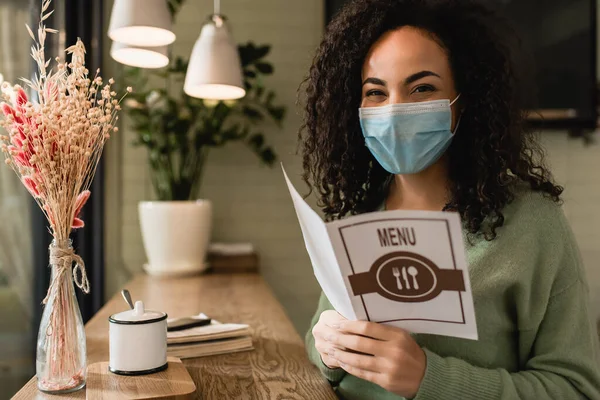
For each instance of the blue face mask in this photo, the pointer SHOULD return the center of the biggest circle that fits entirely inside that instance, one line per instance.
(407, 138)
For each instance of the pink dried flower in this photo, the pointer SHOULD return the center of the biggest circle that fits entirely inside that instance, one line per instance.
(19, 156)
(17, 139)
(8, 110)
(31, 185)
(20, 99)
(79, 203)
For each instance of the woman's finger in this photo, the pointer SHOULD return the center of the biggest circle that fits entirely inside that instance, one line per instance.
(322, 332)
(357, 343)
(331, 317)
(331, 363)
(356, 360)
(370, 376)
(324, 347)
(372, 330)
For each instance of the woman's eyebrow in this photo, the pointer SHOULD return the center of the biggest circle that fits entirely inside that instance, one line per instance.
(375, 81)
(411, 79)
(419, 75)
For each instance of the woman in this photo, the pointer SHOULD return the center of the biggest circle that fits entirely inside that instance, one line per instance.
(415, 105)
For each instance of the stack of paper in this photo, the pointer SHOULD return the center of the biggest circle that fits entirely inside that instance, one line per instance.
(216, 338)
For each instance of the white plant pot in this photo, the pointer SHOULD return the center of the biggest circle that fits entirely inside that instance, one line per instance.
(176, 235)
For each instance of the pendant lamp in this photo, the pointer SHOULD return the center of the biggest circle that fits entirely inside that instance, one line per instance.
(141, 23)
(215, 71)
(141, 57)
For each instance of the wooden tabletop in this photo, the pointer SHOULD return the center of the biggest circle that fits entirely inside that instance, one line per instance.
(278, 367)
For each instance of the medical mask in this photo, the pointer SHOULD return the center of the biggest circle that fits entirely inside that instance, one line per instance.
(407, 138)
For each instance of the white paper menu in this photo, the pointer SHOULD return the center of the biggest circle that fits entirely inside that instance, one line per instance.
(402, 268)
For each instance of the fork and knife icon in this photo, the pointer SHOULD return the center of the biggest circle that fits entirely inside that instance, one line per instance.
(412, 271)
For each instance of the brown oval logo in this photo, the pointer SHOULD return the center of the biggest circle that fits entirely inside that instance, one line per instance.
(405, 276)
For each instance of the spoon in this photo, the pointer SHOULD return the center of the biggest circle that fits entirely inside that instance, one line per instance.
(127, 297)
(412, 271)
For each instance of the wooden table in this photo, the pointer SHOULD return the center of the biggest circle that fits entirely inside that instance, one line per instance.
(277, 369)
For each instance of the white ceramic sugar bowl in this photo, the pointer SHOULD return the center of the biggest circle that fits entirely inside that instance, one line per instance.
(138, 341)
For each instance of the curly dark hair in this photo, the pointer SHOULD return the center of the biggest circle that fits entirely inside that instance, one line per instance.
(492, 153)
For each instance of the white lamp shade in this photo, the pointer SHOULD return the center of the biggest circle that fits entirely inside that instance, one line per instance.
(214, 71)
(141, 23)
(141, 57)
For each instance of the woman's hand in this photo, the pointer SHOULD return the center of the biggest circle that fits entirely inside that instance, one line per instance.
(390, 356)
(322, 330)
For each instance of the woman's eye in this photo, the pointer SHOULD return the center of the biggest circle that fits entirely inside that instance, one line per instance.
(375, 92)
(423, 89)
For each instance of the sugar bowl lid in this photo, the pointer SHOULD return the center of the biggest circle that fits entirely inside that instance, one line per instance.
(139, 315)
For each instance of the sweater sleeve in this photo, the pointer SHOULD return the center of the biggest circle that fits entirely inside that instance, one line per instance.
(333, 375)
(563, 364)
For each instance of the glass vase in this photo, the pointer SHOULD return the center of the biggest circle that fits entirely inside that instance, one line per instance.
(61, 347)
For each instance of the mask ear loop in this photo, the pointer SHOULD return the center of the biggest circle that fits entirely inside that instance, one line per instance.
(459, 117)
(457, 124)
(454, 101)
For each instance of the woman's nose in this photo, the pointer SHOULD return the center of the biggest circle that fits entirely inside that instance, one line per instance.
(395, 97)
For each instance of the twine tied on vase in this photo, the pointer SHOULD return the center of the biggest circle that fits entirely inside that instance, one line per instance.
(62, 259)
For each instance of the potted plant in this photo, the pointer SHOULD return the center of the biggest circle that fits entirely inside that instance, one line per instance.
(178, 132)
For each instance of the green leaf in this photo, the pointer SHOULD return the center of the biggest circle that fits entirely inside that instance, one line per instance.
(264, 68)
(262, 51)
(244, 132)
(249, 53)
(257, 140)
(277, 113)
(245, 55)
(268, 156)
(180, 63)
(270, 97)
(174, 7)
(252, 113)
(146, 137)
(178, 66)
(154, 155)
(259, 90)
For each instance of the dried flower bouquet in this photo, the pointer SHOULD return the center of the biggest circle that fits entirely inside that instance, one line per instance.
(54, 144)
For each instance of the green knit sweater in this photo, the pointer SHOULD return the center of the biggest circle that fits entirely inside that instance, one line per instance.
(536, 340)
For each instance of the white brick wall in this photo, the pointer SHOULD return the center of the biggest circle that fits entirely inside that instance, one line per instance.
(577, 168)
(251, 202)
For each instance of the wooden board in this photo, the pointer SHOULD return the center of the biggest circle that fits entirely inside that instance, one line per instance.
(174, 383)
(277, 368)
